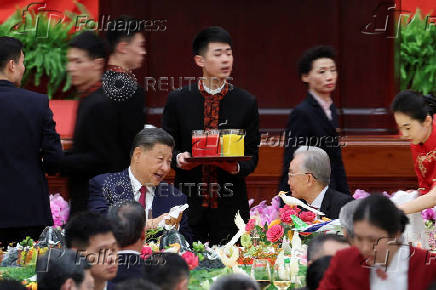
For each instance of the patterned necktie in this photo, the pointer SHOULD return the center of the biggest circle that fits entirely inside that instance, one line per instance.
(211, 117)
(143, 191)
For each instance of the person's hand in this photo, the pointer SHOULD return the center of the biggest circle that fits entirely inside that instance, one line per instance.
(153, 223)
(183, 164)
(230, 167)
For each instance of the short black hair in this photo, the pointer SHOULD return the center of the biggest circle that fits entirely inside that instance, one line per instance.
(414, 105)
(167, 274)
(121, 29)
(235, 282)
(148, 137)
(10, 49)
(11, 285)
(58, 265)
(305, 63)
(128, 222)
(84, 225)
(316, 271)
(381, 212)
(316, 245)
(136, 284)
(89, 42)
(213, 34)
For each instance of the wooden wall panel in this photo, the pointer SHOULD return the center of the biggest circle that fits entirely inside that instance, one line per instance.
(268, 38)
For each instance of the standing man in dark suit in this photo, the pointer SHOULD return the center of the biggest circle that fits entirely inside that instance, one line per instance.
(99, 141)
(216, 191)
(309, 176)
(314, 122)
(142, 181)
(128, 226)
(29, 147)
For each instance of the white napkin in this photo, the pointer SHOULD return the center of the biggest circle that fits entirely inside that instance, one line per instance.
(174, 213)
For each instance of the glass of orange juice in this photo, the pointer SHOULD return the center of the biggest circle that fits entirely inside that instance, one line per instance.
(232, 142)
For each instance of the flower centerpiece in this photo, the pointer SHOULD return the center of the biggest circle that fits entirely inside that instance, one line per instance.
(270, 229)
(429, 216)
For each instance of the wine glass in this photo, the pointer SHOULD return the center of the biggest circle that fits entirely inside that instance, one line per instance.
(261, 272)
(282, 276)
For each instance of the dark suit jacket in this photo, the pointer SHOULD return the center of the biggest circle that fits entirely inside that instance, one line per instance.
(347, 270)
(333, 202)
(130, 266)
(183, 113)
(113, 188)
(29, 147)
(102, 140)
(309, 125)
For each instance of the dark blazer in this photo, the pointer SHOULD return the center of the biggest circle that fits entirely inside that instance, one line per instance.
(184, 112)
(333, 202)
(113, 188)
(309, 125)
(102, 140)
(130, 266)
(347, 270)
(29, 147)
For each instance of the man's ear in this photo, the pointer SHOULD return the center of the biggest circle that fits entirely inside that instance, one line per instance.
(136, 153)
(199, 60)
(99, 63)
(121, 47)
(68, 284)
(305, 78)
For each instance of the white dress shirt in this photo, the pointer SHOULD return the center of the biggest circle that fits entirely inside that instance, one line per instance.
(317, 202)
(149, 196)
(397, 272)
(325, 105)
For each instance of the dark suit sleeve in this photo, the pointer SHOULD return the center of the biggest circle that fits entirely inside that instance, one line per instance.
(170, 124)
(339, 173)
(103, 143)
(51, 148)
(97, 202)
(185, 229)
(296, 133)
(251, 141)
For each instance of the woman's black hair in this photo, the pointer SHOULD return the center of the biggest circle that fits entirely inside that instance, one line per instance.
(414, 105)
(381, 212)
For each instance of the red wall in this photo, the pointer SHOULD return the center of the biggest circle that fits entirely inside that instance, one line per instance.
(426, 6)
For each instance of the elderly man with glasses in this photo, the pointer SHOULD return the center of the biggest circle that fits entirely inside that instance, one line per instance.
(309, 178)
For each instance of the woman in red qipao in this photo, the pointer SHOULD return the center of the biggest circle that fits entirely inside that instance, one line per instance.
(378, 258)
(413, 114)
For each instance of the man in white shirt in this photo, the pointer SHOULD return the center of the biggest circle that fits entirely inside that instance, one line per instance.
(142, 182)
(309, 176)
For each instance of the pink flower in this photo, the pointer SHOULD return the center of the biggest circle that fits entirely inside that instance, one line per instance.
(307, 216)
(274, 233)
(285, 215)
(250, 225)
(146, 252)
(428, 214)
(359, 193)
(59, 209)
(191, 259)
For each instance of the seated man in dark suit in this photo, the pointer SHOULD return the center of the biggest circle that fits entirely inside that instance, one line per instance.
(309, 177)
(128, 226)
(150, 162)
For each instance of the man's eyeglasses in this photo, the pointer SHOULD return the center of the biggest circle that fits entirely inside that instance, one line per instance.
(301, 173)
